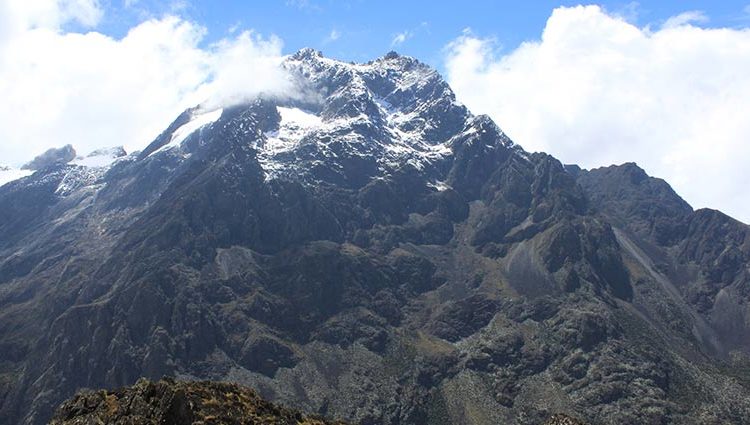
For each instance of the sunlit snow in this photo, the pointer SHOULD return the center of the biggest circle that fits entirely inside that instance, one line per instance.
(102, 160)
(197, 121)
(295, 123)
(8, 175)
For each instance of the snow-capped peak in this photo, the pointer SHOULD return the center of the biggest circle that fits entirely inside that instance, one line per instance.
(359, 121)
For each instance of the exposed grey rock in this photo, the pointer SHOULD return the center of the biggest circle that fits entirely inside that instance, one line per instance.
(51, 157)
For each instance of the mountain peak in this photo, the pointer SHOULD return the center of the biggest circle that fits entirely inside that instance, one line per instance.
(307, 53)
(391, 55)
(385, 113)
(51, 157)
(400, 60)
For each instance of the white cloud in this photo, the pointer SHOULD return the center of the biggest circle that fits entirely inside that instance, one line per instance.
(628, 12)
(333, 36)
(597, 90)
(95, 91)
(17, 16)
(247, 67)
(51, 13)
(405, 35)
(176, 6)
(685, 18)
(400, 38)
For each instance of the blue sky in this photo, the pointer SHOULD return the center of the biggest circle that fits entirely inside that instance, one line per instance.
(360, 30)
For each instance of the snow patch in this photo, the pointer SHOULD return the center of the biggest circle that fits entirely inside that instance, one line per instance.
(439, 186)
(99, 159)
(298, 117)
(197, 121)
(295, 124)
(8, 175)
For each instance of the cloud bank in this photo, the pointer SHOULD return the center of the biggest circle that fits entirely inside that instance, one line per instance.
(597, 90)
(94, 91)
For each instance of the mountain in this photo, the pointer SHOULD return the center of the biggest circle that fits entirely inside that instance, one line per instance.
(372, 251)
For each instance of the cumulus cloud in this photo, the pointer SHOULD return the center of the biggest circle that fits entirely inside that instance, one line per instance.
(94, 91)
(597, 90)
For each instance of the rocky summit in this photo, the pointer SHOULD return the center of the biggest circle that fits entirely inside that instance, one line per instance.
(368, 249)
(168, 402)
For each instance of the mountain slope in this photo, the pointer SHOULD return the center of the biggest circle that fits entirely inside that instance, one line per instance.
(372, 251)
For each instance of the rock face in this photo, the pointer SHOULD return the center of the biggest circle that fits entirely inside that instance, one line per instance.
(177, 403)
(374, 253)
(54, 156)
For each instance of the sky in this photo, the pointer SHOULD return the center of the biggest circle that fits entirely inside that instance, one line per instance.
(664, 84)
